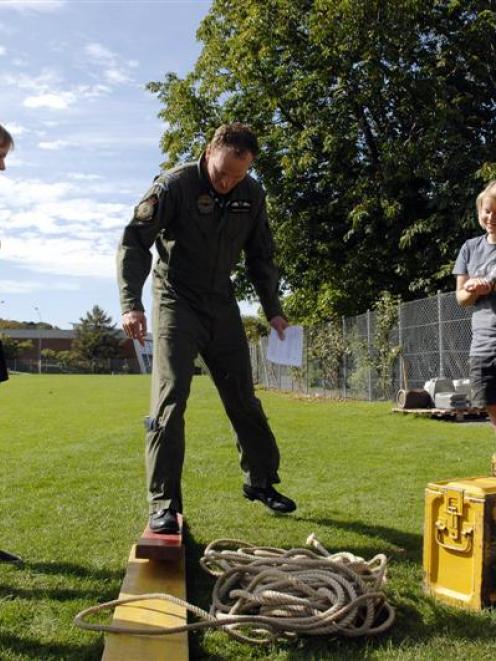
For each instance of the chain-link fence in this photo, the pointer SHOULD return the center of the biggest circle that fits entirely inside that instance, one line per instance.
(360, 358)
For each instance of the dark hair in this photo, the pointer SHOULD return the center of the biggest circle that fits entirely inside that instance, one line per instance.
(5, 138)
(236, 136)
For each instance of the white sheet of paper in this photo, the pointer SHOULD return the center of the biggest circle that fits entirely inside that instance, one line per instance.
(288, 351)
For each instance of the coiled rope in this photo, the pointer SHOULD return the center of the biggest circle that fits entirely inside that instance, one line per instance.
(262, 594)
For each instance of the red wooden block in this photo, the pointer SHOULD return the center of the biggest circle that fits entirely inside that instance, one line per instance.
(156, 546)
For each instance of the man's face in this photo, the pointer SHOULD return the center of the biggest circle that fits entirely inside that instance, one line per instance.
(225, 168)
(4, 150)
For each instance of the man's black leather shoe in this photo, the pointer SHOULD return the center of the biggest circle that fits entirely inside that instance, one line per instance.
(270, 498)
(164, 521)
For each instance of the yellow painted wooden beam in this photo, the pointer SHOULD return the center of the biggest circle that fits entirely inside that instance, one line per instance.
(147, 576)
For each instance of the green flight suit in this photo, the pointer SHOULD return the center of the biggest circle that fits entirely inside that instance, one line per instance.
(199, 236)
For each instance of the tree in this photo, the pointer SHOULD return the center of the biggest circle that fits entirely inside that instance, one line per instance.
(377, 126)
(95, 341)
(10, 323)
(255, 328)
(14, 349)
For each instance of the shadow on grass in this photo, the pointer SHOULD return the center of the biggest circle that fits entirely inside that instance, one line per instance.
(71, 569)
(104, 589)
(31, 648)
(401, 544)
(199, 585)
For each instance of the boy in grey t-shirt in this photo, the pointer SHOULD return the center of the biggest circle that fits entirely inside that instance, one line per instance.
(475, 270)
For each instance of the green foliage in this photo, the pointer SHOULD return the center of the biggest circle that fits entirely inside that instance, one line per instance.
(255, 328)
(11, 323)
(385, 352)
(67, 360)
(95, 340)
(374, 359)
(14, 349)
(328, 346)
(377, 126)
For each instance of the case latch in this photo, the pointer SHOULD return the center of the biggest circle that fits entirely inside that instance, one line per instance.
(451, 524)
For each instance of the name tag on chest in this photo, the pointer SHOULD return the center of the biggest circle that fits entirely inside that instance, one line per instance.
(239, 206)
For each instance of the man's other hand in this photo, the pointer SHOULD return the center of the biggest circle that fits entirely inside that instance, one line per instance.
(134, 325)
(279, 324)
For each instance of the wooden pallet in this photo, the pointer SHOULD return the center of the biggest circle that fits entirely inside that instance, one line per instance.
(458, 414)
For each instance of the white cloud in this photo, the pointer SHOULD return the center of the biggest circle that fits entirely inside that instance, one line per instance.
(15, 129)
(62, 256)
(44, 82)
(29, 286)
(3, 50)
(92, 91)
(116, 76)
(49, 90)
(55, 145)
(32, 5)
(100, 53)
(59, 228)
(114, 66)
(55, 101)
(81, 176)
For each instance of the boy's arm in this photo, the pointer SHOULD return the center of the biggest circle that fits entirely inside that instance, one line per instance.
(469, 289)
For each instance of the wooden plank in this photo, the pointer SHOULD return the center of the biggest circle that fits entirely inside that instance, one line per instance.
(156, 546)
(146, 576)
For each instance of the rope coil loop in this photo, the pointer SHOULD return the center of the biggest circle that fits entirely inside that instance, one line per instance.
(263, 594)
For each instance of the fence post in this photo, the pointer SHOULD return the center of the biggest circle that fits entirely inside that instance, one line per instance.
(264, 361)
(369, 347)
(306, 332)
(345, 365)
(440, 333)
(400, 344)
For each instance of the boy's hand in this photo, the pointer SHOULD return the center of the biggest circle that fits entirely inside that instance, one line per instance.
(478, 286)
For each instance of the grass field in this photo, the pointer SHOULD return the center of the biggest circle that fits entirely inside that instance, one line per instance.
(72, 504)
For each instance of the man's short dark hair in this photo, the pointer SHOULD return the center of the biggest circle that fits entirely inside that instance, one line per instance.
(5, 138)
(236, 136)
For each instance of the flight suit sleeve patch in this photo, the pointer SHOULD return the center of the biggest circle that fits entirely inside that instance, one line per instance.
(145, 210)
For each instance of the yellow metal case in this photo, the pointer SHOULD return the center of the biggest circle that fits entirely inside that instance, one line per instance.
(460, 542)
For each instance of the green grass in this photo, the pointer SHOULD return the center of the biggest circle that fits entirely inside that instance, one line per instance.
(72, 503)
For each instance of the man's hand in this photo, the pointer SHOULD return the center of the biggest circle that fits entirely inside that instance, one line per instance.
(279, 324)
(134, 325)
(478, 286)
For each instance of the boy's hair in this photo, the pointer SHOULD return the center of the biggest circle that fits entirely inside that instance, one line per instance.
(5, 138)
(236, 136)
(489, 191)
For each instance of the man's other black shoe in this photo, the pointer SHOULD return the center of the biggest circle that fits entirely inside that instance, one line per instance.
(270, 498)
(164, 521)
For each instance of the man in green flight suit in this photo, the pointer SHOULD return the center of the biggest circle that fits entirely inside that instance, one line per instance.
(201, 216)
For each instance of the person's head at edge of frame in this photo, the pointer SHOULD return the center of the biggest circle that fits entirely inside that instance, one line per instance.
(229, 155)
(486, 207)
(6, 145)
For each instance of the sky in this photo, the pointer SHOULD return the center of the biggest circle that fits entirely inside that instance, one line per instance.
(72, 93)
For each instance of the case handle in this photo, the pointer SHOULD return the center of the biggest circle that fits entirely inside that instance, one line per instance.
(466, 532)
